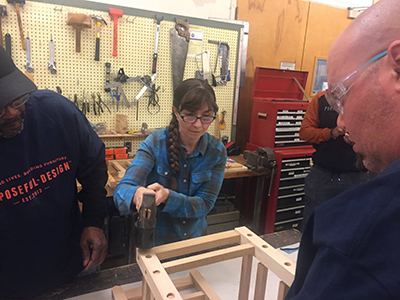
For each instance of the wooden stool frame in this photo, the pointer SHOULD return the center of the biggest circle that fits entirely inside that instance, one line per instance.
(240, 242)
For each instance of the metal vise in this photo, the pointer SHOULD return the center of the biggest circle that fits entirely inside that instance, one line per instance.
(260, 160)
(146, 222)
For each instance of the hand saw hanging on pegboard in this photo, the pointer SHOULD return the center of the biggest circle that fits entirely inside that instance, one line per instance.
(180, 37)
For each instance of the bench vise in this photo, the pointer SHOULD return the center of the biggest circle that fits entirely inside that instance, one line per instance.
(260, 160)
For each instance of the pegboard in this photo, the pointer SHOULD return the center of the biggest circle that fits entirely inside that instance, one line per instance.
(79, 73)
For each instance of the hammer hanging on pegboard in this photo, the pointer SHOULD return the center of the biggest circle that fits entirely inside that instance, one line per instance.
(17, 4)
(3, 12)
(98, 20)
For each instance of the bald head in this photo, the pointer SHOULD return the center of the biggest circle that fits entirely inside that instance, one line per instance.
(369, 34)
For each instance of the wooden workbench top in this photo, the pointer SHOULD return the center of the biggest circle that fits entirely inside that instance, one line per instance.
(235, 168)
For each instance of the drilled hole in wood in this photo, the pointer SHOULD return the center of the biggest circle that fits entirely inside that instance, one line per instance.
(265, 246)
(288, 264)
(156, 272)
(171, 296)
(249, 234)
(148, 256)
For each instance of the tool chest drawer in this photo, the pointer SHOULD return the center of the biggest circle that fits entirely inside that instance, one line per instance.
(276, 124)
(291, 200)
(295, 223)
(289, 213)
(287, 129)
(287, 197)
(290, 191)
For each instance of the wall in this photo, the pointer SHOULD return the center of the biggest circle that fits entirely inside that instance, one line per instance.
(224, 9)
(290, 31)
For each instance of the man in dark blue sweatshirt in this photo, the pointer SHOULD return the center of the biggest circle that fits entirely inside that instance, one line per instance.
(46, 143)
(350, 245)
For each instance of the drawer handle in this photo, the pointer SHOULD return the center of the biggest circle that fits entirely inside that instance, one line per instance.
(297, 212)
(299, 199)
(262, 116)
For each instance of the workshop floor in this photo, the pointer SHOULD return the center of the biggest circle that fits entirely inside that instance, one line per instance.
(222, 276)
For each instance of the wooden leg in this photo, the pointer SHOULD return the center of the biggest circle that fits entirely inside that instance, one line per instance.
(261, 282)
(118, 293)
(146, 293)
(202, 285)
(245, 276)
(282, 291)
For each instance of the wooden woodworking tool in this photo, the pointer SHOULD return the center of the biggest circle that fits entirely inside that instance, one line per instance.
(3, 12)
(17, 4)
(79, 21)
(115, 14)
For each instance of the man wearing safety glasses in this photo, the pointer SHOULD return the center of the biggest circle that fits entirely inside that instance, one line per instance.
(350, 246)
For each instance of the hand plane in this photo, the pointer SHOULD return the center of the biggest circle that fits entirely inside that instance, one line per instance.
(146, 222)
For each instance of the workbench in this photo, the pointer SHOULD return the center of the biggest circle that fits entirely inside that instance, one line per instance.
(106, 279)
(236, 169)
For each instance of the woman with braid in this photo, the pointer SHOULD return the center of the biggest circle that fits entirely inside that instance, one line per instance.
(182, 164)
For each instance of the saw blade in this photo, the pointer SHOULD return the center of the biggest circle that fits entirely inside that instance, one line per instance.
(179, 50)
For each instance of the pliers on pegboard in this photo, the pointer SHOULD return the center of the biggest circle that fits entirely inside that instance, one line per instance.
(85, 104)
(102, 102)
(94, 105)
(76, 100)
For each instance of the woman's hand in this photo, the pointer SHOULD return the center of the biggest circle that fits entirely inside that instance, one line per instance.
(162, 193)
(138, 197)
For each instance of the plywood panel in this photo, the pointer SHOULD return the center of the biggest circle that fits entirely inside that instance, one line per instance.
(276, 33)
(325, 23)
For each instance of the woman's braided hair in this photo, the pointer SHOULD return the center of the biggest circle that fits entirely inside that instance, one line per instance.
(190, 95)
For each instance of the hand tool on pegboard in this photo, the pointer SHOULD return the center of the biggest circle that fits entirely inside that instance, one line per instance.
(180, 38)
(17, 4)
(155, 55)
(85, 104)
(223, 57)
(101, 102)
(28, 65)
(115, 15)
(95, 106)
(52, 62)
(8, 43)
(107, 73)
(3, 12)
(222, 123)
(76, 100)
(120, 79)
(204, 71)
(146, 222)
(99, 20)
(78, 21)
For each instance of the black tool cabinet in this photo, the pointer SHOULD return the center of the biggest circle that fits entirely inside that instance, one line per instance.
(276, 119)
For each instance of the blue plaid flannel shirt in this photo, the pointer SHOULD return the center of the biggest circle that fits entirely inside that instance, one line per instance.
(200, 179)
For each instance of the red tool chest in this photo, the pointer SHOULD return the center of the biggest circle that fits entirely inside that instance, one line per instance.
(278, 110)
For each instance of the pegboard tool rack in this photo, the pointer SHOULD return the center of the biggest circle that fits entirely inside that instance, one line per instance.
(79, 72)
